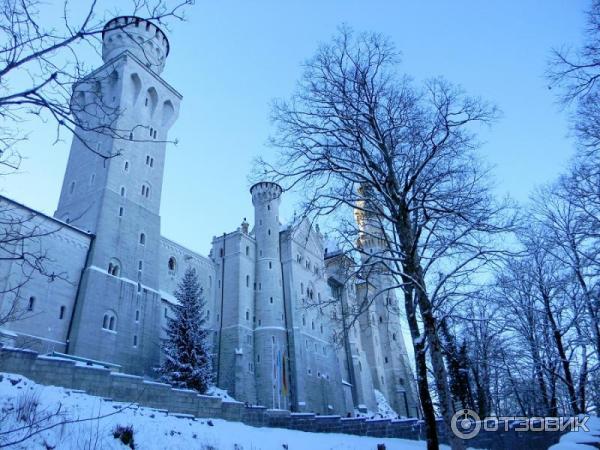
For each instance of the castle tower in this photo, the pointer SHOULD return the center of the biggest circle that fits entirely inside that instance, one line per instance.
(270, 335)
(381, 334)
(112, 187)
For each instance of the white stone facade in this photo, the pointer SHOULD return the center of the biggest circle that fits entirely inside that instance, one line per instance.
(275, 297)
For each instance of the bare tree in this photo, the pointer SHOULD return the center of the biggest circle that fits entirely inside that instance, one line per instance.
(356, 136)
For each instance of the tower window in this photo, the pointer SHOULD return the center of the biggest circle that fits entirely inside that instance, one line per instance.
(268, 207)
(137, 315)
(271, 300)
(152, 160)
(142, 239)
(247, 280)
(31, 303)
(151, 132)
(140, 265)
(109, 322)
(122, 191)
(114, 268)
(312, 324)
(172, 264)
(380, 319)
(247, 315)
(72, 187)
(385, 359)
(269, 232)
(270, 265)
(304, 320)
(154, 134)
(135, 340)
(126, 166)
(393, 336)
(61, 315)
(247, 250)
(147, 160)
(131, 136)
(120, 211)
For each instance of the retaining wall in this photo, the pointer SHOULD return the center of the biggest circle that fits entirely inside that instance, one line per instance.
(129, 388)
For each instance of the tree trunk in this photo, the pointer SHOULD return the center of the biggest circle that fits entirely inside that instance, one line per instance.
(421, 368)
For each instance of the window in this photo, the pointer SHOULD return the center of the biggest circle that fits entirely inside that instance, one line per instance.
(247, 280)
(247, 250)
(151, 131)
(312, 324)
(166, 313)
(304, 320)
(270, 265)
(31, 303)
(309, 371)
(259, 322)
(72, 187)
(247, 315)
(393, 336)
(109, 321)
(221, 252)
(62, 312)
(142, 239)
(154, 138)
(273, 339)
(324, 351)
(135, 340)
(114, 267)
(321, 328)
(140, 265)
(126, 166)
(258, 358)
(137, 315)
(382, 382)
(208, 314)
(380, 319)
(172, 264)
(147, 160)
(306, 343)
(385, 359)
(92, 179)
(131, 136)
(269, 232)
(145, 191)
(271, 300)
(120, 211)
(269, 207)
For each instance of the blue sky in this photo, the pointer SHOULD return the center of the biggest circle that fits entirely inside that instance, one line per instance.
(231, 58)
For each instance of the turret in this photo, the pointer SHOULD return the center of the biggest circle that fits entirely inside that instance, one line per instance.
(142, 38)
(270, 337)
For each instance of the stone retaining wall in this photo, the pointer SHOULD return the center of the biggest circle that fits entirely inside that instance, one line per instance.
(129, 388)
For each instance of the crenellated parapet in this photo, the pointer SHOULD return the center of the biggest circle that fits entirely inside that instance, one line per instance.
(140, 37)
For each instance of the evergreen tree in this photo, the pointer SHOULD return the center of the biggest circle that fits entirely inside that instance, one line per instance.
(187, 348)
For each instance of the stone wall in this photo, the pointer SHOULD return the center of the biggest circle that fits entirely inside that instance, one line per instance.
(129, 388)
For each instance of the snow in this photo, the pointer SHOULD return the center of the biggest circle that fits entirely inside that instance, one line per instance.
(48, 407)
(214, 391)
(576, 440)
(384, 410)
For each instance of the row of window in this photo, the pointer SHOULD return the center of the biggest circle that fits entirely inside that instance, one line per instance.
(31, 305)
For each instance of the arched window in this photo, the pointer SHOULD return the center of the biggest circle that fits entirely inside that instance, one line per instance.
(114, 267)
(172, 264)
(393, 336)
(270, 265)
(135, 340)
(137, 315)
(271, 300)
(122, 191)
(126, 166)
(142, 239)
(109, 321)
(62, 312)
(247, 315)
(31, 303)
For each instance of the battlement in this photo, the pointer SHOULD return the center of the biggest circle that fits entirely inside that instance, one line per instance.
(265, 191)
(140, 37)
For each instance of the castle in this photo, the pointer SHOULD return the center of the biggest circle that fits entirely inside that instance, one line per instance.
(277, 298)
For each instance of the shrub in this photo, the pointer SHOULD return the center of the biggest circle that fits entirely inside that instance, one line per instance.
(125, 435)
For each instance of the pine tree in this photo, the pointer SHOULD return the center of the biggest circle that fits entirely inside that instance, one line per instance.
(187, 348)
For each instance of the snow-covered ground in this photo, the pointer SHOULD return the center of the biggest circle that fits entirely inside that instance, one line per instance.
(577, 440)
(45, 414)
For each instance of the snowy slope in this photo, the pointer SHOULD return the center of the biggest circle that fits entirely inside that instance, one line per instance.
(26, 407)
(577, 440)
